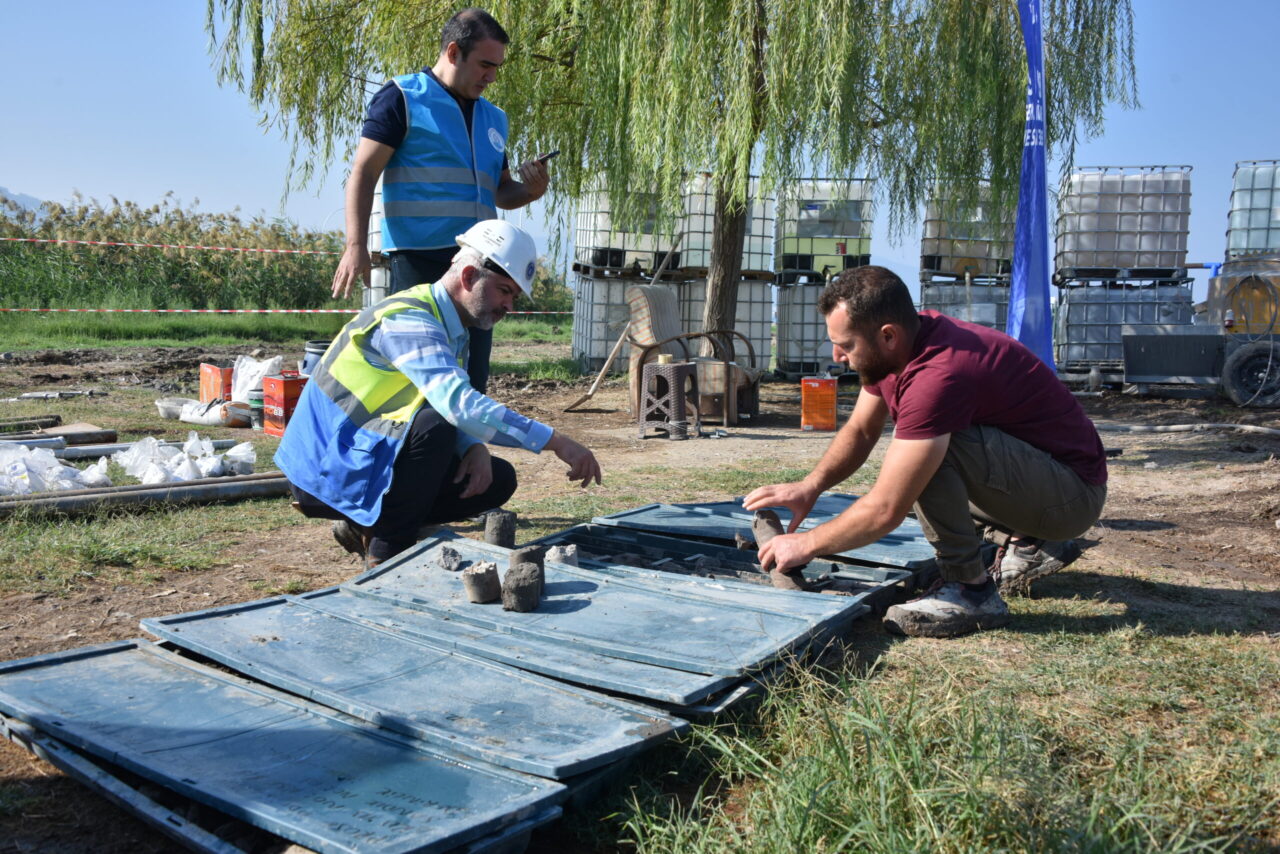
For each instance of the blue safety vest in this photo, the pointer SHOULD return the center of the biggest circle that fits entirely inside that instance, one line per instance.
(349, 425)
(440, 181)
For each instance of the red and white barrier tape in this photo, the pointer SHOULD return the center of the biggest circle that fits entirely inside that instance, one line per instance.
(169, 246)
(233, 310)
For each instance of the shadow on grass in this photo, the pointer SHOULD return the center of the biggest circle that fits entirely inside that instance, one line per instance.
(1162, 608)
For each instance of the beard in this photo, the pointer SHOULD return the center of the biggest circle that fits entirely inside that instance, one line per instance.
(874, 369)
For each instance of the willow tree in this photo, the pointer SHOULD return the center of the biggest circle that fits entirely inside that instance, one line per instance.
(646, 92)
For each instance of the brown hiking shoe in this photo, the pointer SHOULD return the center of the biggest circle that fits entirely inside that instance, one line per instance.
(1023, 561)
(349, 538)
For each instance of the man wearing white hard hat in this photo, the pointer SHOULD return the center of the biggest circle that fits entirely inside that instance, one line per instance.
(389, 434)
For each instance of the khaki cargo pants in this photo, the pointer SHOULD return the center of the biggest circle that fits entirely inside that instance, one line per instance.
(990, 480)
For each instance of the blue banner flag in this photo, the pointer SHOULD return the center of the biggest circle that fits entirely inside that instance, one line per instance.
(1029, 317)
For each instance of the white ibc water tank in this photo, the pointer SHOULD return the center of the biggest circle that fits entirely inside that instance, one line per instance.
(1253, 225)
(803, 345)
(823, 227)
(1123, 218)
(601, 242)
(958, 240)
(698, 225)
(753, 319)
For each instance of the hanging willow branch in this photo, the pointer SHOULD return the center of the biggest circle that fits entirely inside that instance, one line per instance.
(905, 91)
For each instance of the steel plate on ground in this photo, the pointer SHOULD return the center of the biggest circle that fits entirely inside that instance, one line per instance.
(482, 708)
(548, 657)
(621, 617)
(673, 558)
(904, 547)
(322, 779)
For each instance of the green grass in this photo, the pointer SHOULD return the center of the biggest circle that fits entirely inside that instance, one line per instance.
(44, 554)
(1007, 742)
(562, 370)
(36, 331)
(65, 331)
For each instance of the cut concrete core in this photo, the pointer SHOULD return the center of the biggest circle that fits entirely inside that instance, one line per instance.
(765, 526)
(480, 581)
(520, 588)
(500, 528)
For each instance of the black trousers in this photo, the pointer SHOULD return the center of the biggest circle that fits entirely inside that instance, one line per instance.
(411, 267)
(422, 489)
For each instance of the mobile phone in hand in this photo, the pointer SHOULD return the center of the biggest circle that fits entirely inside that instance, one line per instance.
(550, 154)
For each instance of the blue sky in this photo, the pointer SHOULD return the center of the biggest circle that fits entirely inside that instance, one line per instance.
(119, 98)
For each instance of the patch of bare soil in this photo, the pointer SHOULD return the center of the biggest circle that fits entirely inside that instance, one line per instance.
(1197, 511)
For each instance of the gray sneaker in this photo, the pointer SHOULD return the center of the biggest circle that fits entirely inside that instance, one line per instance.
(1020, 563)
(947, 610)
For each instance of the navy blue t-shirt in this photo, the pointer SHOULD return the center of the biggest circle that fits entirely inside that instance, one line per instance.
(387, 121)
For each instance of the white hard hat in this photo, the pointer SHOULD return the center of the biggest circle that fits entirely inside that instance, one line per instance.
(505, 245)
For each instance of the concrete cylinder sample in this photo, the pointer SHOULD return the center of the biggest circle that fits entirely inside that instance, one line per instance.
(500, 528)
(480, 582)
(534, 555)
(520, 588)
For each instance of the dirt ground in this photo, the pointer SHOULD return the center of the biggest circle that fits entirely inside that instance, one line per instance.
(1199, 508)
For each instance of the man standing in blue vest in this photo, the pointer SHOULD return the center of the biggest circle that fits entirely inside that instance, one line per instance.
(389, 435)
(440, 149)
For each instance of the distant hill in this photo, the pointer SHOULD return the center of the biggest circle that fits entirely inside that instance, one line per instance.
(30, 203)
(24, 201)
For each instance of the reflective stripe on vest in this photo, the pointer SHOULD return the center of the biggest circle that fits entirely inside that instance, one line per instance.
(377, 400)
(441, 180)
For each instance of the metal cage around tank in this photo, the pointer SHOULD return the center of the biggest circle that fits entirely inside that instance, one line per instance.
(608, 240)
(1123, 222)
(1253, 224)
(824, 227)
(698, 226)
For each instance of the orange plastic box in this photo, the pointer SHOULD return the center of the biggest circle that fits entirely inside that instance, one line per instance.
(817, 403)
(215, 383)
(279, 399)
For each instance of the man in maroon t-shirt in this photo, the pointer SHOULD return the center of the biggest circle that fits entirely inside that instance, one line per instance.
(987, 443)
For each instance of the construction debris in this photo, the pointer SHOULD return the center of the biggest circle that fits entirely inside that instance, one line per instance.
(450, 560)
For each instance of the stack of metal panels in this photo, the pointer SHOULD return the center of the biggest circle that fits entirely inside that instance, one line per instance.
(390, 714)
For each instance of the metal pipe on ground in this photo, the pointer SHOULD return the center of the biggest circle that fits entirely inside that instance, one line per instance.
(48, 442)
(203, 491)
(89, 452)
(35, 422)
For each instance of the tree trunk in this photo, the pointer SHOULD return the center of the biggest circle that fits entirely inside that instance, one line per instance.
(730, 229)
(730, 232)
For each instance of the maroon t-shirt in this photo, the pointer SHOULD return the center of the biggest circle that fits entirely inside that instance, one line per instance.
(963, 374)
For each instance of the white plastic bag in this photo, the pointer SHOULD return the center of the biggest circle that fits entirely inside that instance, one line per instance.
(210, 466)
(247, 374)
(154, 473)
(96, 475)
(184, 469)
(240, 459)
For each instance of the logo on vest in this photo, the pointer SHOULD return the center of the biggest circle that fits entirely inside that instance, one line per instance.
(496, 140)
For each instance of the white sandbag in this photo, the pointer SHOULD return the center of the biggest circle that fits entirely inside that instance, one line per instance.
(247, 374)
(205, 414)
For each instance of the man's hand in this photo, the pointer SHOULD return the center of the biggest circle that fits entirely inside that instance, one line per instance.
(786, 551)
(354, 266)
(535, 177)
(476, 468)
(798, 497)
(583, 466)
